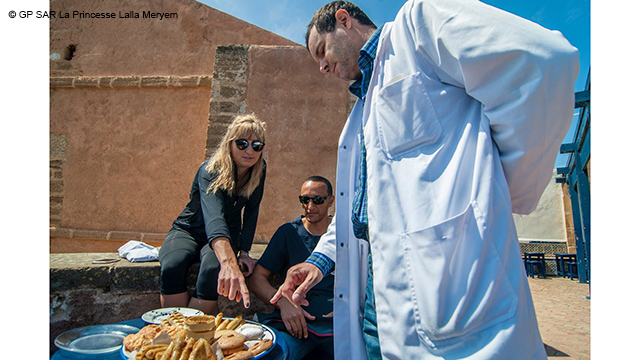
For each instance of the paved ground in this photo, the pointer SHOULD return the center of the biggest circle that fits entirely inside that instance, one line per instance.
(564, 316)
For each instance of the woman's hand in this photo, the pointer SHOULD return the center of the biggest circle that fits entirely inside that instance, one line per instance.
(230, 279)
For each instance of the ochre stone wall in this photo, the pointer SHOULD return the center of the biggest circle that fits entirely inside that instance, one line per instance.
(181, 46)
(140, 104)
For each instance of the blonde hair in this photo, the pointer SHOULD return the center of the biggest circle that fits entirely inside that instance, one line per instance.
(242, 127)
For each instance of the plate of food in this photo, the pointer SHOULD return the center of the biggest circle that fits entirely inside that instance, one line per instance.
(156, 316)
(200, 336)
(96, 339)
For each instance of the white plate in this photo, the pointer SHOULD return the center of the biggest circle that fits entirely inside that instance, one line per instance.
(96, 339)
(157, 315)
(268, 335)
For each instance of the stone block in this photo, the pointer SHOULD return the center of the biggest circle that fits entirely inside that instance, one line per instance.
(226, 107)
(153, 237)
(124, 235)
(56, 163)
(231, 75)
(184, 81)
(125, 81)
(90, 234)
(231, 57)
(105, 81)
(60, 232)
(57, 146)
(56, 186)
(136, 278)
(205, 81)
(58, 82)
(85, 81)
(55, 173)
(70, 278)
(220, 122)
(154, 81)
(228, 92)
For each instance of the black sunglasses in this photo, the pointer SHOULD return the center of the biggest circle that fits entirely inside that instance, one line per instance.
(242, 144)
(318, 200)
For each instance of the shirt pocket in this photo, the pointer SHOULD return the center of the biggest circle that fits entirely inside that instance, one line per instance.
(405, 116)
(457, 279)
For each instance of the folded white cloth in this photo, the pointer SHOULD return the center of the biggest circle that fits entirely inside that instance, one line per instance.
(137, 251)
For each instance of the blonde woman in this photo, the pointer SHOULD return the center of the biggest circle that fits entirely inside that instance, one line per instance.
(218, 224)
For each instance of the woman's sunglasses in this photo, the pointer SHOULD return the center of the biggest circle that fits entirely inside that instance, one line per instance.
(242, 144)
(318, 200)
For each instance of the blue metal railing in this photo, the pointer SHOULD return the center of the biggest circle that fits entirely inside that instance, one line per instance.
(576, 175)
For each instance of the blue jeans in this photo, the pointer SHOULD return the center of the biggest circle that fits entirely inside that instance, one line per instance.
(370, 323)
(299, 348)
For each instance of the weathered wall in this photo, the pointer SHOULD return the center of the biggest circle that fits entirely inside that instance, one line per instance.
(305, 112)
(142, 102)
(179, 46)
(547, 221)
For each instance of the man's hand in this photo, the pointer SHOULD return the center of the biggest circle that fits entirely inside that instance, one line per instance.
(247, 264)
(305, 275)
(294, 318)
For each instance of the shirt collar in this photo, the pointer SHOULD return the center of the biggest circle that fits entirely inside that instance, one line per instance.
(365, 63)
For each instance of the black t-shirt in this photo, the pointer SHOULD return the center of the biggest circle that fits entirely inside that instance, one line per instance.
(290, 245)
(208, 215)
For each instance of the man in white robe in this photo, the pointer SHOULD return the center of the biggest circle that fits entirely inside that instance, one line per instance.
(462, 109)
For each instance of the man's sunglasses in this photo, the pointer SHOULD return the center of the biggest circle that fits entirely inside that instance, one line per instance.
(318, 200)
(257, 145)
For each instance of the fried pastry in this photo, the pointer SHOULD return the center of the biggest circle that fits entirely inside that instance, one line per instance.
(240, 355)
(177, 350)
(187, 349)
(168, 352)
(199, 350)
(176, 319)
(261, 346)
(144, 337)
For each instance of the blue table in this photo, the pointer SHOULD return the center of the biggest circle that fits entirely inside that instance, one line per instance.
(569, 260)
(279, 351)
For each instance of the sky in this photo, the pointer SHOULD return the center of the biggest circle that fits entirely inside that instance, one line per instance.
(289, 18)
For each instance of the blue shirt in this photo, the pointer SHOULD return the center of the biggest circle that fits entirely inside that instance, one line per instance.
(359, 217)
(292, 244)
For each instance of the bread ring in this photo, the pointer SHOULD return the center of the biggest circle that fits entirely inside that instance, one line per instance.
(207, 335)
(229, 339)
(200, 323)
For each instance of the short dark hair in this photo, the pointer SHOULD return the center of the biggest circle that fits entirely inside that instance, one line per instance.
(318, 178)
(324, 19)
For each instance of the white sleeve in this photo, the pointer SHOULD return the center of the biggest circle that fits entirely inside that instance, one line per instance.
(327, 243)
(522, 73)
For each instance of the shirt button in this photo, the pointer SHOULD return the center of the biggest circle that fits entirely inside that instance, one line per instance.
(341, 244)
(341, 194)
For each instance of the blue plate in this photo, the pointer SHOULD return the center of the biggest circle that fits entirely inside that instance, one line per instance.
(96, 339)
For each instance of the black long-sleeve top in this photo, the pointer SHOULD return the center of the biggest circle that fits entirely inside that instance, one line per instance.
(211, 215)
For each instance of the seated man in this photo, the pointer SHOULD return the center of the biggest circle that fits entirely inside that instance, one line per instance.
(310, 328)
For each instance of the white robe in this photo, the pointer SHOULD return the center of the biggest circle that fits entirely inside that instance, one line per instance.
(464, 116)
